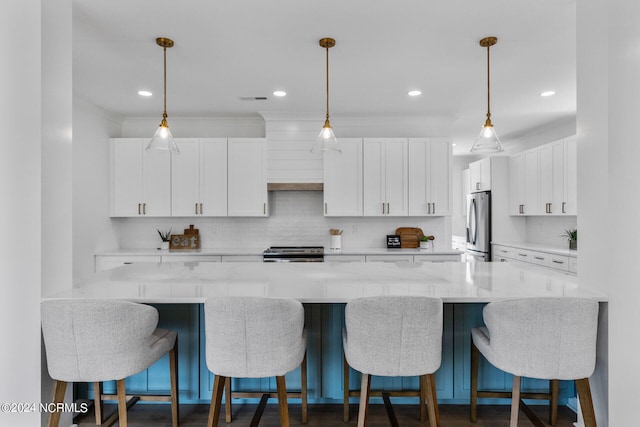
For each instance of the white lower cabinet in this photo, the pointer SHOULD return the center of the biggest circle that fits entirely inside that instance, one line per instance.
(544, 259)
(241, 258)
(190, 258)
(437, 258)
(389, 258)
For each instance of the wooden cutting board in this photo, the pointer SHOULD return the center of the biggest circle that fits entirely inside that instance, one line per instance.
(409, 236)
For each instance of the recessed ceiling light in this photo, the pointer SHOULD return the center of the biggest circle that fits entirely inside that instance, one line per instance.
(548, 93)
(279, 93)
(454, 144)
(414, 93)
(144, 93)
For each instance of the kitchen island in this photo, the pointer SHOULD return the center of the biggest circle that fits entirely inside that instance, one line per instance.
(179, 290)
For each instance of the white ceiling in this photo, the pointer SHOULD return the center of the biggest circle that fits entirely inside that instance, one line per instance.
(228, 49)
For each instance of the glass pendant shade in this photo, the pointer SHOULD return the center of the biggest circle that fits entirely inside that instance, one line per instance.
(326, 140)
(487, 141)
(163, 140)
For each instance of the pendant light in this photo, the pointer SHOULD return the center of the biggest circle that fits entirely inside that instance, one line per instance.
(488, 141)
(326, 140)
(162, 139)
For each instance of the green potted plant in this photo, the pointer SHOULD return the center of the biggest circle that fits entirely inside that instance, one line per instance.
(572, 236)
(166, 237)
(424, 242)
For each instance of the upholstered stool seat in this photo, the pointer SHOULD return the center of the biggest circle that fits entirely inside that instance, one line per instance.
(394, 336)
(104, 340)
(543, 338)
(253, 337)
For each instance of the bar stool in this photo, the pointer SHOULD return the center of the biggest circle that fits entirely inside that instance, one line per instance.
(544, 338)
(255, 337)
(393, 336)
(105, 340)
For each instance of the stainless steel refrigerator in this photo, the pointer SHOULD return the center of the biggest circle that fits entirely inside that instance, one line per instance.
(479, 227)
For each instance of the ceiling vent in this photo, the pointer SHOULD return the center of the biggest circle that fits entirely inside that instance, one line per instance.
(253, 98)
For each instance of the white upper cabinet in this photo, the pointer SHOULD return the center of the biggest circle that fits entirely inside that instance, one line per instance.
(199, 178)
(430, 165)
(247, 177)
(385, 177)
(544, 180)
(140, 180)
(343, 179)
(480, 175)
(523, 181)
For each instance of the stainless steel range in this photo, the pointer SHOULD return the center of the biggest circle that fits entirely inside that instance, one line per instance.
(294, 254)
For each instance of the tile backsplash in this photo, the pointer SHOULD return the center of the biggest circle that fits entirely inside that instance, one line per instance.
(296, 219)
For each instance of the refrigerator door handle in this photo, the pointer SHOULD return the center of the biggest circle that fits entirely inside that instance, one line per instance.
(473, 222)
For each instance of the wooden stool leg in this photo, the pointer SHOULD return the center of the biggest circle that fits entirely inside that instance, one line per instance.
(553, 391)
(97, 402)
(122, 403)
(432, 401)
(423, 398)
(586, 402)
(303, 388)
(59, 388)
(282, 401)
(475, 355)
(346, 390)
(365, 389)
(515, 401)
(173, 375)
(227, 400)
(216, 400)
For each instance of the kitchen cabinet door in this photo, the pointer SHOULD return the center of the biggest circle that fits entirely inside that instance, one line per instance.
(247, 177)
(140, 180)
(385, 177)
(343, 179)
(199, 178)
(530, 186)
(480, 175)
(516, 184)
(430, 163)
(551, 178)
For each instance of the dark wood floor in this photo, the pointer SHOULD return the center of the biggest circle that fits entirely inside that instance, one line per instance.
(330, 416)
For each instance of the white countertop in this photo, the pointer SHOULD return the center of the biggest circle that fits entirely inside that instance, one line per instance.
(259, 251)
(541, 248)
(454, 282)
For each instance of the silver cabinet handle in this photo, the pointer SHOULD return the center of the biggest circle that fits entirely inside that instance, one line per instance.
(264, 208)
(539, 258)
(325, 208)
(144, 209)
(382, 208)
(139, 206)
(434, 208)
(519, 254)
(564, 204)
(429, 208)
(387, 208)
(196, 209)
(557, 262)
(200, 208)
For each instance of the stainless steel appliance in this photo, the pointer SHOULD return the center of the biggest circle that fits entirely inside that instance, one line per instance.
(294, 254)
(479, 227)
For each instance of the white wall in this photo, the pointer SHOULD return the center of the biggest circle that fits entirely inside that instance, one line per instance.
(93, 229)
(296, 219)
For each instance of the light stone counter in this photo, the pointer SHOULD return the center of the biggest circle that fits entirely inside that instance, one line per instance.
(541, 248)
(193, 282)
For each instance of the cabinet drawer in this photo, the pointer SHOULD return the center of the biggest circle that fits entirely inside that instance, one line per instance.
(559, 262)
(523, 255)
(503, 251)
(540, 258)
(436, 258)
(344, 258)
(389, 258)
(106, 262)
(242, 258)
(190, 258)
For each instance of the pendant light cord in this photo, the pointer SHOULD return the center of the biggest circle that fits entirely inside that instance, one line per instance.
(488, 85)
(327, 80)
(164, 115)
